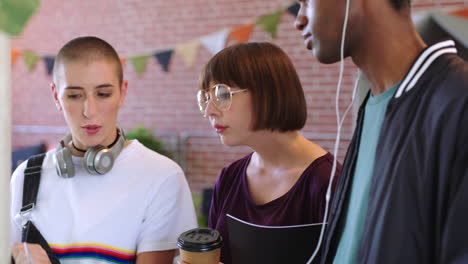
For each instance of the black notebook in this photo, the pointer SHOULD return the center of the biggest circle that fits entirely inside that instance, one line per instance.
(256, 244)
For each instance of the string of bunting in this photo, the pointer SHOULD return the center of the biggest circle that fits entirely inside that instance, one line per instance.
(188, 51)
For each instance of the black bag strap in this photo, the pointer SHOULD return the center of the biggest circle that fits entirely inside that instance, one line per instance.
(34, 236)
(32, 179)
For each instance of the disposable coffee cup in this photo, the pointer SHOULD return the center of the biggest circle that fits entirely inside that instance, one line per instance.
(200, 246)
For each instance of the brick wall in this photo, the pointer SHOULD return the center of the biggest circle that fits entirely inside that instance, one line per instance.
(163, 101)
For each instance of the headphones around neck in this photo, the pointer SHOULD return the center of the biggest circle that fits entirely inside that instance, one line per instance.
(97, 160)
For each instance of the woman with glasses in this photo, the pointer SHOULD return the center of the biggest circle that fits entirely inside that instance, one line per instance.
(252, 96)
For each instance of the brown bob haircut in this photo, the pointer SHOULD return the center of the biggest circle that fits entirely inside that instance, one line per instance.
(268, 73)
(87, 49)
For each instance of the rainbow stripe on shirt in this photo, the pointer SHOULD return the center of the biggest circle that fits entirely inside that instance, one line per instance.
(94, 251)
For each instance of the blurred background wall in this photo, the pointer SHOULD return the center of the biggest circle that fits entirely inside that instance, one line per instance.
(164, 100)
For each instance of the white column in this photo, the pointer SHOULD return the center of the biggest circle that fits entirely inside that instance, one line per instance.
(5, 146)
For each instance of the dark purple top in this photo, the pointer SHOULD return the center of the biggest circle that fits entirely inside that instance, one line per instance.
(304, 203)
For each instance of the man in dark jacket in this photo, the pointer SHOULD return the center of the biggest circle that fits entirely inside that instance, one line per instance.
(401, 196)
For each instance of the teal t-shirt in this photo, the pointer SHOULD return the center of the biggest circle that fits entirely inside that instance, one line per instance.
(356, 208)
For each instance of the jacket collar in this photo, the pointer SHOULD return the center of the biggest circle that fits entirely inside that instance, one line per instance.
(422, 63)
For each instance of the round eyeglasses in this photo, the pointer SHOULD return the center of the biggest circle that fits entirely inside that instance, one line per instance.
(222, 95)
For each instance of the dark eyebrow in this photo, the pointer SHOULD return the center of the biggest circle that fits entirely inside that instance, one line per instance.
(74, 88)
(105, 85)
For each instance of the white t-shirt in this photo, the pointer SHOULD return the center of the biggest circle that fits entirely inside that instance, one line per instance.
(143, 204)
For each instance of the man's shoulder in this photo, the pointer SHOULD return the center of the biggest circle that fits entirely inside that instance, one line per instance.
(47, 162)
(143, 157)
(444, 84)
(457, 69)
(452, 76)
(450, 88)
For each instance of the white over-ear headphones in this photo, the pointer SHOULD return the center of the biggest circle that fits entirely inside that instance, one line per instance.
(97, 160)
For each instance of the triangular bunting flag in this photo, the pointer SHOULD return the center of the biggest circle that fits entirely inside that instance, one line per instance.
(164, 58)
(242, 33)
(14, 55)
(294, 9)
(49, 63)
(14, 14)
(461, 13)
(215, 41)
(30, 59)
(139, 63)
(188, 52)
(270, 22)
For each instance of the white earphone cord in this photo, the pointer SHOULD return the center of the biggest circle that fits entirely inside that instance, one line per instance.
(338, 132)
(28, 255)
